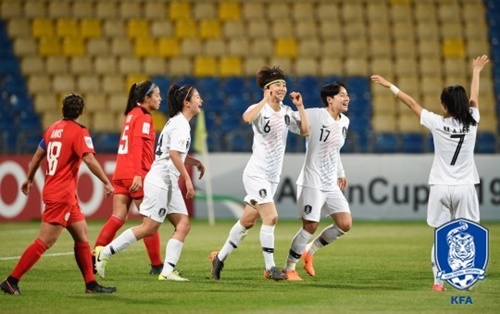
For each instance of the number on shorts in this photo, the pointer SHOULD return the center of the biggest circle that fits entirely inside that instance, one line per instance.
(459, 146)
(123, 148)
(53, 152)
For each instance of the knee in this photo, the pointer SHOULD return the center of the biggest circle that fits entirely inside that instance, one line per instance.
(183, 229)
(271, 220)
(310, 227)
(345, 226)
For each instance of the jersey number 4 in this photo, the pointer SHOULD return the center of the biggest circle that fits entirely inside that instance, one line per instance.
(459, 146)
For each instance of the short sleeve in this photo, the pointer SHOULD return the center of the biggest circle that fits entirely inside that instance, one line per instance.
(143, 126)
(475, 114)
(180, 138)
(430, 120)
(84, 143)
(294, 121)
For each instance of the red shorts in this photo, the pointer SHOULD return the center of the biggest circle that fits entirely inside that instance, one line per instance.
(62, 214)
(122, 187)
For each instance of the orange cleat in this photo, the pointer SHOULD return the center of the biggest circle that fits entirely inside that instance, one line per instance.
(292, 275)
(308, 263)
(438, 287)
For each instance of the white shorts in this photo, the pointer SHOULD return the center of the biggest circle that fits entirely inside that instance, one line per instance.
(448, 202)
(159, 202)
(258, 189)
(311, 203)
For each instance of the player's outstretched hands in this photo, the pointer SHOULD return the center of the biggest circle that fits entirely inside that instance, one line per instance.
(479, 62)
(296, 99)
(380, 80)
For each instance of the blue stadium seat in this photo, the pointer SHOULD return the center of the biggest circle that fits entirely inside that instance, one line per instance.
(233, 86)
(106, 142)
(185, 80)
(330, 79)
(238, 103)
(412, 143)
(386, 143)
(486, 143)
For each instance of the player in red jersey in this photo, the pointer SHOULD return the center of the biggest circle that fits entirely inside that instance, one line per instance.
(135, 156)
(64, 144)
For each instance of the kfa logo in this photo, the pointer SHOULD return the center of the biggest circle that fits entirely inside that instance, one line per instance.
(461, 252)
(461, 300)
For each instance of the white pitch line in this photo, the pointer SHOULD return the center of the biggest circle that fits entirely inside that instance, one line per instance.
(49, 254)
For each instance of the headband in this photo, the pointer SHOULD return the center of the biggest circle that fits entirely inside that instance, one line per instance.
(153, 85)
(275, 81)
(189, 90)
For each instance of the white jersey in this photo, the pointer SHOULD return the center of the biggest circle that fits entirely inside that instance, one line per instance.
(322, 166)
(176, 135)
(453, 149)
(270, 129)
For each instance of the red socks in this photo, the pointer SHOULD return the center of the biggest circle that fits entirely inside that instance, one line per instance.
(108, 231)
(84, 260)
(29, 258)
(152, 244)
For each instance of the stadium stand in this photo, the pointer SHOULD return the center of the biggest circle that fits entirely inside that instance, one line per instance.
(96, 48)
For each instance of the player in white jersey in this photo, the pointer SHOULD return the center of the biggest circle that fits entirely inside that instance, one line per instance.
(321, 180)
(453, 173)
(162, 195)
(271, 120)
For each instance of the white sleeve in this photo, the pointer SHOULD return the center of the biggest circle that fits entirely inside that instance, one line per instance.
(430, 120)
(180, 140)
(294, 122)
(340, 167)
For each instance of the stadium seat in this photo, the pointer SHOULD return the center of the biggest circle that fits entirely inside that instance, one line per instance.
(238, 47)
(179, 10)
(18, 27)
(11, 9)
(106, 10)
(66, 27)
(168, 47)
(282, 29)
(56, 65)
(98, 47)
(261, 48)
(230, 66)
(161, 28)
(229, 11)
(114, 28)
(137, 28)
(215, 48)
(155, 65)
(82, 9)
(35, 9)
(258, 29)
(32, 65)
(121, 47)
(486, 143)
(252, 64)
(191, 47)
(95, 102)
(234, 30)
(413, 143)
(181, 66)
(116, 102)
(145, 47)
(90, 28)
(386, 143)
(286, 47)
(209, 29)
(42, 27)
(204, 10)
(129, 65)
(130, 9)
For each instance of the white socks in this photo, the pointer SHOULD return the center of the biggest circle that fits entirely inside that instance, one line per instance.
(267, 244)
(327, 236)
(298, 245)
(124, 240)
(236, 235)
(172, 253)
(434, 268)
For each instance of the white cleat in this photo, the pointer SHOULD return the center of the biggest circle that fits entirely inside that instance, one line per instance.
(100, 261)
(173, 276)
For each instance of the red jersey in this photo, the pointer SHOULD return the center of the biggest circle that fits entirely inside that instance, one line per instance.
(136, 149)
(66, 142)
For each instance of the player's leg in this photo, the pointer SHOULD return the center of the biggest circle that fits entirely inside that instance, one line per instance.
(121, 205)
(153, 248)
(174, 246)
(465, 203)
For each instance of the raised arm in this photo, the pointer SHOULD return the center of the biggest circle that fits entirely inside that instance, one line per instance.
(477, 65)
(251, 114)
(405, 98)
(304, 120)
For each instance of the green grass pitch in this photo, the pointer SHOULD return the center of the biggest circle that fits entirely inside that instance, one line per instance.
(379, 267)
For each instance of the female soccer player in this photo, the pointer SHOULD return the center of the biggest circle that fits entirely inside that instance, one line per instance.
(162, 195)
(65, 144)
(135, 156)
(321, 180)
(453, 173)
(270, 120)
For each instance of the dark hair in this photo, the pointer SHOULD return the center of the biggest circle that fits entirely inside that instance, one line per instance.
(72, 106)
(330, 90)
(137, 93)
(267, 74)
(176, 96)
(455, 99)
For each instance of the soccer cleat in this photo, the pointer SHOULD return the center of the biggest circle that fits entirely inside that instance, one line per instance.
(100, 261)
(173, 276)
(275, 273)
(438, 287)
(156, 269)
(217, 265)
(9, 288)
(308, 263)
(292, 275)
(100, 289)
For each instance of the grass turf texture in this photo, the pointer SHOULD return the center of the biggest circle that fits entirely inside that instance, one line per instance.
(377, 267)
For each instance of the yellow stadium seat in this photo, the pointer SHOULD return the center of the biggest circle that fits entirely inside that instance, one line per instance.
(95, 102)
(181, 66)
(382, 66)
(230, 66)
(39, 83)
(155, 10)
(35, 9)
(159, 120)
(356, 66)
(384, 103)
(179, 10)
(452, 30)
(205, 66)
(384, 123)
(88, 83)
(252, 64)
(430, 66)
(103, 121)
(238, 47)
(137, 28)
(282, 28)
(129, 65)
(229, 11)
(114, 83)
(284, 63)
(405, 48)
(333, 48)
(306, 66)
(409, 84)
(306, 29)
(425, 12)
(25, 46)
(73, 46)
(258, 29)
(59, 9)
(409, 123)
(105, 65)
(380, 48)
(185, 29)
(82, 9)
(81, 65)
(330, 29)
(121, 47)
(114, 28)
(233, 29)
(431, 85)
(56, 65)
(134, 78)
(145, 47)
(45, 102)
(215, 47)
(19, 27)
(168, 47)
(63, 83)
(155, 66)
(400, 12)
(161, 28)
(117, 102)
(130, 9)
(286, 47)
(376, 11)
(209, 29)
(32, 65)
(352, 12)
(42, 27)
(253, 10)
(204, 10)
(98, 47)
(106, 10)
(405, 67)
(49, 46)
(453, 48)
(66, 27)
(191, 47)
(356, 46)
(11, 9)
(302, 11)
(309, 47)
(90, 28)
